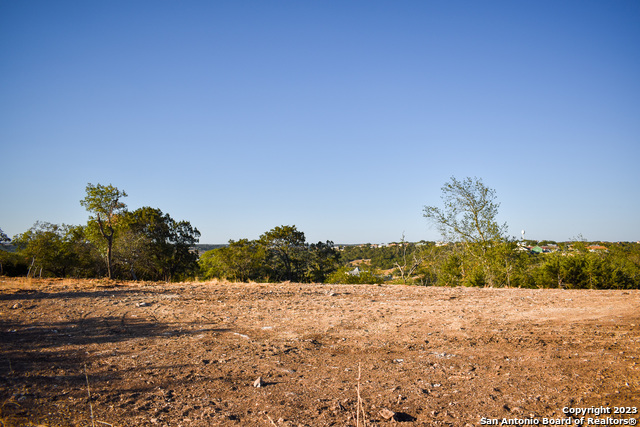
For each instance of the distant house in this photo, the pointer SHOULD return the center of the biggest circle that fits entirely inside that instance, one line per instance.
(597, 248)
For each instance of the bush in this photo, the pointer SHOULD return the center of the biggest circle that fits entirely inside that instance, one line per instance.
(12, 264)
(350, 276)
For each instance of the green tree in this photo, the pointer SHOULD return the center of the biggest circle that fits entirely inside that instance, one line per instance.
(469, 213)
(241, 260)
(286, 251)
(11, 264)
(210, 265)
(322, 260)
(280, 254)
(469, 216)
(156, 246)
(133, 252)
(47, 248)
(88, 261)
(184, 257)
(103, 202)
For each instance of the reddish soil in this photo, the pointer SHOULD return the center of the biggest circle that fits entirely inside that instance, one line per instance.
(189, 354)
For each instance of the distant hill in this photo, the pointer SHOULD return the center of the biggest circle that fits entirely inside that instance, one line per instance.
(204, 247)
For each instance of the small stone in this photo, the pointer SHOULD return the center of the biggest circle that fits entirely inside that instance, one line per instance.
(258, 382)
(387, 414)
(16, 306)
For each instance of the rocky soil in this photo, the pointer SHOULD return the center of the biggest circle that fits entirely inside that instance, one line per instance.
(228, 354)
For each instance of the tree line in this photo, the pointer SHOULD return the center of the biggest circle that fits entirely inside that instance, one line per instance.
(147, 244)
(144, 244)
(480, 253)
(280, 254)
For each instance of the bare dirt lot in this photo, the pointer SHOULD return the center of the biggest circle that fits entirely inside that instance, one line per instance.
(189, 354)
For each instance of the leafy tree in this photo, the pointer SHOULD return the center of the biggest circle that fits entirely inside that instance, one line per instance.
(507, 265)
(11, 263)
(103, 202)
(625, 259)
(322, 260)
(286, 252)
(183, 260)
(47, 248)
(279, 254)
(469, 213)
(585, 270)
(133, 251)
(241, 260)
(431, 258)
(211, 266)
(469, 217)
(88, 261)
(450, 271)
(244, 260)
(155, 245)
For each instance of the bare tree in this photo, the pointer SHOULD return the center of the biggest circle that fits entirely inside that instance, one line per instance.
(409, 264)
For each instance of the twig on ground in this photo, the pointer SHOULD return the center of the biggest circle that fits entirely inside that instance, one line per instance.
(89, 394)
(359, 406)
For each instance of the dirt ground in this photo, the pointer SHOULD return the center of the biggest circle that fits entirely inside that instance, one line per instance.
(190, 354)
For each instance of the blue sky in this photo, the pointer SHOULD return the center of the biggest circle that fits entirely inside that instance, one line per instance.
(343, 118)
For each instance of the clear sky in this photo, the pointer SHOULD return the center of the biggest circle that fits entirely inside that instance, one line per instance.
(343, 118)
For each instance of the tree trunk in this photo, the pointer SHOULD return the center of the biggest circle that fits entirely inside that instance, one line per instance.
(33, 260)
(109, 256)
(109, 238)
